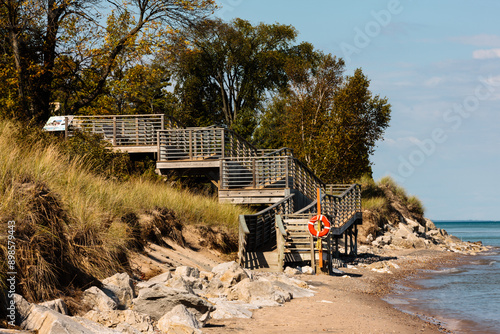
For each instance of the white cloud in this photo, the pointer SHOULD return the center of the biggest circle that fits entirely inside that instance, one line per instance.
(434, 81)
(486, 54)
(483, 40)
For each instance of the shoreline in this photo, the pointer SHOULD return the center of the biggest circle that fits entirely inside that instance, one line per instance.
(453, 323)
(355, 302)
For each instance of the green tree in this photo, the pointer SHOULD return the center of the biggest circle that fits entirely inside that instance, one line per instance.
(331, 121)
(224, 70)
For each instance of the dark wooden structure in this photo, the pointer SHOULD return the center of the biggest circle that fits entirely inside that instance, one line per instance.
(244, 175)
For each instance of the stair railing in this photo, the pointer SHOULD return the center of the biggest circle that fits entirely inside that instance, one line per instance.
(257, 230)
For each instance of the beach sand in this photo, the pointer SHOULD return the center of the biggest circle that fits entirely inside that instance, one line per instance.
(351, 303)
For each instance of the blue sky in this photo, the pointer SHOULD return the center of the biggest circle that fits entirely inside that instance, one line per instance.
(438, 63)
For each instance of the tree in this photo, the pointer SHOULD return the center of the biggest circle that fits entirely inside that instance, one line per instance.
(331, 121)
(69, 31)
(224, 70)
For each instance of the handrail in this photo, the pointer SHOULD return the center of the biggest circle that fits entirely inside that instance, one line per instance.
(256, 230)
(122, 130)
(287, 152)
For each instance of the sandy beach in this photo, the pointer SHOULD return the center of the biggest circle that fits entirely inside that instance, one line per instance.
(351, 303)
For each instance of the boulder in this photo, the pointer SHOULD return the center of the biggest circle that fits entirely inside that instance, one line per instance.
(98, 300)
(46, 321)
(206, 275)
(121, 287)
(225, 309)
(133, 320)
(230, 273)
(57, 305)
(292, 271)
(160, 299)
(179, 319)
(429, 224)
(259, 292)
(162, 278)
(185, 271)
(292, 289)
(307, 270)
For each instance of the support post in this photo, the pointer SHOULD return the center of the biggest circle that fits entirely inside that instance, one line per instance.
(66, 126)
(114, 131)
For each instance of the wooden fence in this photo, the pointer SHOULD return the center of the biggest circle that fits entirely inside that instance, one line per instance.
(123, 130)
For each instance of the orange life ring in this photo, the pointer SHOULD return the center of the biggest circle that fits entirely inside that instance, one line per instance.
(326, 226)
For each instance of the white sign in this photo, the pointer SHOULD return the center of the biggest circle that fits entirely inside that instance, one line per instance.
(57, 123)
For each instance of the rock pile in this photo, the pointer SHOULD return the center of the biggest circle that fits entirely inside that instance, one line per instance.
(174, 302)
(408, 233)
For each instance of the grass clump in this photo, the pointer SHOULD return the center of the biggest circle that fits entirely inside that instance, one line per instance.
(74, 222)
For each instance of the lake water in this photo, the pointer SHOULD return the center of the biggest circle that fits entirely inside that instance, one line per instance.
(465, 299)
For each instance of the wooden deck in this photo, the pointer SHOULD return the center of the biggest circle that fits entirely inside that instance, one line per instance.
(244, 175)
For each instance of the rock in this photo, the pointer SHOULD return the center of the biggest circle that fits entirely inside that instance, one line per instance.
(128, 329)
(369, 238)
(99, 300)
(382, 240)
(293, 290)
(57, 305)
(233, 276)
(307, 270)
(138, 321)
(162, 278)
(261, 292)
(186, 271)
(46, 321)
(215, 289)
(120, 286)
(178, 282)
(403, 231)
(415, 226)
(230, 273)
(206, 275)
(179, 318)
(429, 224)
(160, 299)
(225, 309)
(292, 271)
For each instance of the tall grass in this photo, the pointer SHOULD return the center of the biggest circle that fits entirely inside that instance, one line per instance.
(70, 219)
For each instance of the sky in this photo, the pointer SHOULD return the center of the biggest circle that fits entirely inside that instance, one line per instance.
(438, 63)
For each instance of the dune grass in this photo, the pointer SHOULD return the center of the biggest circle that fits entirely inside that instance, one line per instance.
(70, 225)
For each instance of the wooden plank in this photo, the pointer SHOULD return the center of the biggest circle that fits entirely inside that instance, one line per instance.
(187, 164)
(251, 200)
(135, 149)
(252, 193)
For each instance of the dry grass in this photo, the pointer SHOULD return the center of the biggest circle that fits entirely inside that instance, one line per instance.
(74, 226)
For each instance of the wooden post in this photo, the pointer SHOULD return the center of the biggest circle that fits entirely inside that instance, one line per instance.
(114, 131)
(159, 148)
(190, 144)
(66, 125)
(313, 256)
(287, 173)
(137, 131)
(223, 144)
(254, 174)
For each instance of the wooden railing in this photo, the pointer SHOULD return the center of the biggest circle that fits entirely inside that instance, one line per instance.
(202, 143)
(339, 207)
(257, 230)
(123, 130)
(255, 172)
